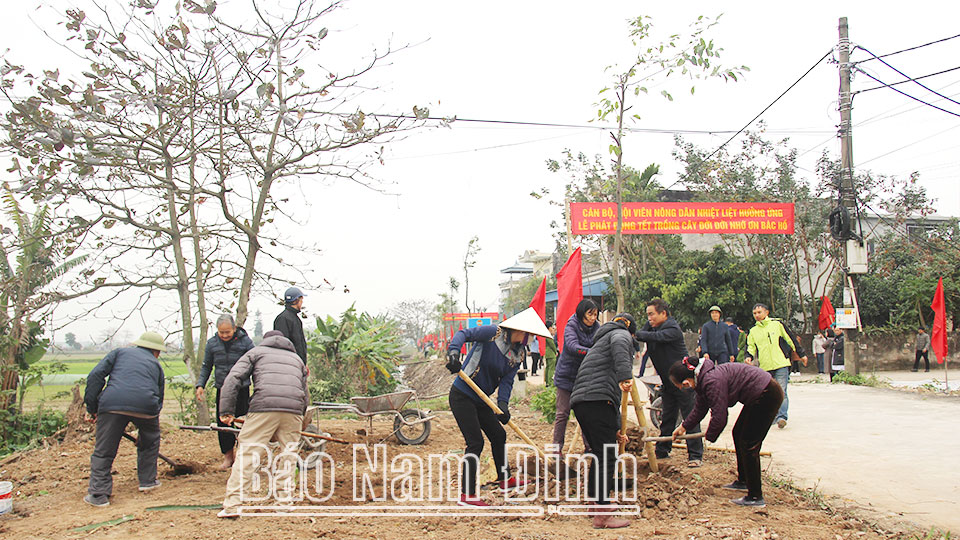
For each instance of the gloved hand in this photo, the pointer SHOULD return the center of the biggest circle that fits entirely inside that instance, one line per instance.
(453, 362)
(505, 417)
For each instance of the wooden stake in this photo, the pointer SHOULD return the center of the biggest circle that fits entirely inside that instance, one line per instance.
(669, 438)
(573, 441)
(624, 408)
(642, 419)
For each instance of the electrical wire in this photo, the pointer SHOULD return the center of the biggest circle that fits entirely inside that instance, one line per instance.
(897, 90)
(752, 120)
(921, 85)
(909, 80)
(908, 49)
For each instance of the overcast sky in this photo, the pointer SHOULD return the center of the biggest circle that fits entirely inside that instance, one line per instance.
(544, 62)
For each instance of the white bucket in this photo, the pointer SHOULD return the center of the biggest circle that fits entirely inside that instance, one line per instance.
(6, 497)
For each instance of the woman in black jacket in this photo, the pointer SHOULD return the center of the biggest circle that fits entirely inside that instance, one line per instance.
(222, 352)
(606, 371)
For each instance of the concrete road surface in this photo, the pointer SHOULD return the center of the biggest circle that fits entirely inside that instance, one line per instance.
(893, 452)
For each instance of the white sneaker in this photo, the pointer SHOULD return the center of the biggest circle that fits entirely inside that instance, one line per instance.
(148, 487)
(228, 514)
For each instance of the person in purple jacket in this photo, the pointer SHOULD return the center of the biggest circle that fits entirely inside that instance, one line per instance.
(577, 340)
(719, 387)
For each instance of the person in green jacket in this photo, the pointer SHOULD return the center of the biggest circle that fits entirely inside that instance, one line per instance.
(763, 349)
(550, 355)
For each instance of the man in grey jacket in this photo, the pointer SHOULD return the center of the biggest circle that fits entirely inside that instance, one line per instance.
(126, 386)
(279, 401)
(923, 346)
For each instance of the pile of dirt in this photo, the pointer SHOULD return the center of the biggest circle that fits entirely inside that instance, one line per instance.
(678, 503)
(428, 377)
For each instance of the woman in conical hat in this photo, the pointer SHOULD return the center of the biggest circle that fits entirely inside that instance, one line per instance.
(492, 364)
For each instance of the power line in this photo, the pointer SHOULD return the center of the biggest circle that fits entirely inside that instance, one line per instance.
(754, 119)
(908, 49)
(897, 90)
(925, 87)
(455, 119)
(885, 154)
(909, 80)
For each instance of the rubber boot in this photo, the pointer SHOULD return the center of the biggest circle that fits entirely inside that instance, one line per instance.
(603, 521)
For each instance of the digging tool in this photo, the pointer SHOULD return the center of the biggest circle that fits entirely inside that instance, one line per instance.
(719, 449)
(178, 468)
(642, 418)
(240, 420)
(305, 434)
(669, 438)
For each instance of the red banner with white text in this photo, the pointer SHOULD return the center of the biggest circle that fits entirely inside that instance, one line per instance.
(683, 218)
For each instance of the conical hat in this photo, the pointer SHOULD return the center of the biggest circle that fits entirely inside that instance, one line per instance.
(527, 321)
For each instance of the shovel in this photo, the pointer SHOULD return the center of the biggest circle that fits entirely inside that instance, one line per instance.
(178, 468)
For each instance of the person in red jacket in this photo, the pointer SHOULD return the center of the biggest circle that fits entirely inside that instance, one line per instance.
(720, 387)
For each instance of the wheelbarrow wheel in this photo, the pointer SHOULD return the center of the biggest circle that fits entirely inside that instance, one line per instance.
(309, 443)
(415, 434)
(656, 413)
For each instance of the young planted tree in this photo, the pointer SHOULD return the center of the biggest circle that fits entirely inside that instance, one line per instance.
(688, 57)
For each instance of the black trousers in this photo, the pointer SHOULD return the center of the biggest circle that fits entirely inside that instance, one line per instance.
(926, 360)
(229, 440)
(751, 428)
(535, 361)
(110, 428)
(676, 402)
(599, 421)
(476, 420)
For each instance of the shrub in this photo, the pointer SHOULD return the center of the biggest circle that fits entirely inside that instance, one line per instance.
(26, 429)
(545, 401)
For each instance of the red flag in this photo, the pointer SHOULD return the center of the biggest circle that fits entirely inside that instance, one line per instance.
(827, 314)
(938, 336)
(569, 292)
(539, 304)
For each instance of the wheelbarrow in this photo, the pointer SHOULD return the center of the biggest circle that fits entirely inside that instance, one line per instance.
(654, 388)
(411, 426)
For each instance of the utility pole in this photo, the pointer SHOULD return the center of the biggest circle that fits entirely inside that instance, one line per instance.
(847, 194)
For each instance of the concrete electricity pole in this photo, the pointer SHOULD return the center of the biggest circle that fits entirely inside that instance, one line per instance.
(847, 193)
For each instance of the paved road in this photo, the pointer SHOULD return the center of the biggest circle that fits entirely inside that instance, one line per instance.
(890, 451)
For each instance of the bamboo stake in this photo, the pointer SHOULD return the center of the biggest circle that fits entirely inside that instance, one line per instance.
(624, 408)
(573, 441)
(642, 419)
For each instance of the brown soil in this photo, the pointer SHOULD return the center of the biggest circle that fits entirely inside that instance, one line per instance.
(679, 503)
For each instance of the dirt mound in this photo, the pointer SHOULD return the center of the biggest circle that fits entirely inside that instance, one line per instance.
(49, 485)
(428, 377)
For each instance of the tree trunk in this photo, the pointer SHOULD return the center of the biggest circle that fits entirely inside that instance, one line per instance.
(618, 238)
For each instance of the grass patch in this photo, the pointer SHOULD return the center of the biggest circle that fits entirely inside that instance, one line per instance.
(842, 377)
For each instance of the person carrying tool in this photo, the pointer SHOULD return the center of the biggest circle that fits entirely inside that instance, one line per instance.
(222, 352)
(133, 393)
(665, 345)
(288, 321)
(719, 387)
(606, 371)
(277, 406)
(492, 364)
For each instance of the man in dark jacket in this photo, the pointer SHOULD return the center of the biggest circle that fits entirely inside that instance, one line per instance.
(277, 406)
(665, 345)
(716, 343)
(133, 393)
(288, 321)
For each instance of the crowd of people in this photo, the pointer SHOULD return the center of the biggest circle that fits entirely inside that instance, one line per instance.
(590, 371)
